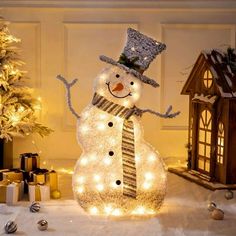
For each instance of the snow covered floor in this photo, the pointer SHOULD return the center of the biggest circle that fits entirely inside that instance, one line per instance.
(183, 213)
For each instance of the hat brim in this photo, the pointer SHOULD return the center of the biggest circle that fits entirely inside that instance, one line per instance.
(138, 75)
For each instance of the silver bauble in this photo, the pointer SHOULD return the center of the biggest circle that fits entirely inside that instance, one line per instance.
(211, 206)
(42, 225)
(229, 194)
(10, 227)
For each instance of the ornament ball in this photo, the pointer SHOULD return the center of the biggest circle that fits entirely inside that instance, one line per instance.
(217, 214)
(42, 225)
(229, 194)
(10, 227)
(56, 194)
(211, 206)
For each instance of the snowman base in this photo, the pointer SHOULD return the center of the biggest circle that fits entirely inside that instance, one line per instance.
(115, 205)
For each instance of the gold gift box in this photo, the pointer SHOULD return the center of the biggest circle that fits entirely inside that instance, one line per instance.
(12, 175)
(52, 180)
(3, 190)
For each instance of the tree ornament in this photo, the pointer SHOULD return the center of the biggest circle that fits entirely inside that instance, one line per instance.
(229, 194)
(34, 207)
(211, 206)
(56, 194)
(42, 225)
(217, 214)
(118, 173)
(10, 227)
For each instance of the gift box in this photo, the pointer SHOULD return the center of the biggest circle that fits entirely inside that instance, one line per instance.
(12, 194)
(12, 175)
(39, 192)
(1, 173)
(21, 186)
(38, 176)
(52, 180)
(29, 161)
(9, 192)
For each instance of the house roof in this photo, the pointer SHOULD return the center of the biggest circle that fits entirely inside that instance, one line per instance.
(223, 68)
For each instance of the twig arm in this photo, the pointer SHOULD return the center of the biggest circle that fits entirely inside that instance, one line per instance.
(68, 93)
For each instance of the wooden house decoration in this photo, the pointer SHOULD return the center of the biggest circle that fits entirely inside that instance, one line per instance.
(211, 87)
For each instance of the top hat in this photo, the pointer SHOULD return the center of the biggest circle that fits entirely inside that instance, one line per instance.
(140, 50)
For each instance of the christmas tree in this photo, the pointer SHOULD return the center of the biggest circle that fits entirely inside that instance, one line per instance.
(17, 105)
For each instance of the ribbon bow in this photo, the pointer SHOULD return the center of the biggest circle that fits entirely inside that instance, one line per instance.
(130, 63)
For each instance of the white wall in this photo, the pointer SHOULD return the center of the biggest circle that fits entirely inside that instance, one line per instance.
(66, 37)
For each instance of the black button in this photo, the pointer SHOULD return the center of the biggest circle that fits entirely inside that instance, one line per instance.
(110, 124)
(118, 182)
(111, 153)
(117, 75)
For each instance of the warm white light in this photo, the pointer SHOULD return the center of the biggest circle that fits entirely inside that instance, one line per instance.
(148, 176)
(137, 158)
(96, 177)
(100, 187)
(103, 77)
(81, 179)
(93, 210)
(80, 189)
(21, 109)
(135, 96)
(39, 99)
(107, 161)
(101, 126)
(112, 141)
(84, 161)
(108, 209)
(146, 185)
(116, 212)
(152, 158)
(84, 128)
(15, 119)
(140, 210)
(114, 185)
(102, 116)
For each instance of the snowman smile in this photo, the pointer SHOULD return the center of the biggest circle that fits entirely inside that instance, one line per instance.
(109, 89)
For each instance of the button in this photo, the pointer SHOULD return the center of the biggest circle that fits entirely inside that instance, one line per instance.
(111, 153)
(118, 182)
(110, 124)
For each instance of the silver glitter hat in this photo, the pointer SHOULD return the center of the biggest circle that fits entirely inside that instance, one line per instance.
(139, 52)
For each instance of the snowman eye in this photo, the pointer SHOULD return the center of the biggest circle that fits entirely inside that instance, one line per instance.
(117, 75)
(132, 83)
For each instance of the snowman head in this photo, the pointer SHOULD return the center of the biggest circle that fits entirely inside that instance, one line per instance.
(118, 86)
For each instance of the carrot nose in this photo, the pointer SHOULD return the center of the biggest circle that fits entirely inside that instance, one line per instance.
(118, 87)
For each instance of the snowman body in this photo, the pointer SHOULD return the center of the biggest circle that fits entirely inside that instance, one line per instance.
(98, 175)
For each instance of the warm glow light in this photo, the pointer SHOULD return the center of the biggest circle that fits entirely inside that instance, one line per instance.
(80, 189)
(81, 179)
(146, 185)
(135, 96)
(96, 177)
(39, 99)
(116, 212)
(137, 158)
(112, 141)
(148, 176)
(103, 77)
(15, 118)
(100, 187)
(126, 103)
(107, 161)
(101, 126)
(93, 210)
(140, 210)
(84, 128)
(152, 158)
(102, 116)
(84, 161)
(21, 109)
(108, 209)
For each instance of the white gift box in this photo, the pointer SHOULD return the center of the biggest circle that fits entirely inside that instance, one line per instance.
(12, 194)
(39, 192)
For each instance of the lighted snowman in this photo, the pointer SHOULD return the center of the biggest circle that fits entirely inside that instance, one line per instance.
(118, 173)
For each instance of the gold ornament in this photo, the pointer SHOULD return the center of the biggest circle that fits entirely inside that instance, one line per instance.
(56, 194)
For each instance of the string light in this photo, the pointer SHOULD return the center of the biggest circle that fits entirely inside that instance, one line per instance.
(81, 179)
(97, 177)
(148, 176)
(146, 185)
(84, 161)
(116, 212)
(101, 126)
(100, 187)
(107, 161)
(93, 210)
(80, 189)
(108, 209)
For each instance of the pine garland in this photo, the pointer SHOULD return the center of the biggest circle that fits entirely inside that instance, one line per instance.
(17, 105)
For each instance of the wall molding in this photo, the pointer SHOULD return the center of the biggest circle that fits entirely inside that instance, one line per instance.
(220, 5)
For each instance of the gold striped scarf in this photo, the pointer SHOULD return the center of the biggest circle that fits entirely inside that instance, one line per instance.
(128, 147)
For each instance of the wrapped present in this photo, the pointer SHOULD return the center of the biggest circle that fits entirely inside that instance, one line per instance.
(38, 176)
(21, 186)
(38, 192)
(1, 175)
(12, 194)
(9, 192)
(29, 161)
(52, 180)
(12, 175)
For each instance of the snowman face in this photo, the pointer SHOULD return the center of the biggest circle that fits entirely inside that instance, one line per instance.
(118, 86)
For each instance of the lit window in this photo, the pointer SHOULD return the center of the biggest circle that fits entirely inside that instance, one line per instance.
(207, 78)
(204, 140)
(220, 144)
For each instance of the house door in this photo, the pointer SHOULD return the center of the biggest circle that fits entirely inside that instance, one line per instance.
(204, 141)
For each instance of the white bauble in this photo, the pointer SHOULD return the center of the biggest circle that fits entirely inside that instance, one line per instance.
(98, 175)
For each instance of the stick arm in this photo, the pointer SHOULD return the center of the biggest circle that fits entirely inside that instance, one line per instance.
(68, 93)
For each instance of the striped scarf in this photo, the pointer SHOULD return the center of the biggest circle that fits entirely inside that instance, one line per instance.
(128, 148)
